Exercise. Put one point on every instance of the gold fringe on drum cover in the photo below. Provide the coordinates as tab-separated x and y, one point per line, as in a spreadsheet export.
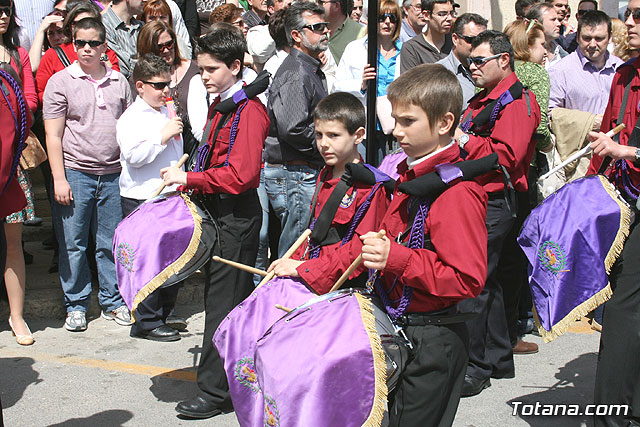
178	264
379	363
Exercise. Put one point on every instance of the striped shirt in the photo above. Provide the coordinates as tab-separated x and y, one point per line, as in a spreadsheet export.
29	16
122	39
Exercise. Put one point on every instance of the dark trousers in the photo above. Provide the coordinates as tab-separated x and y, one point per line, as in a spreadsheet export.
429	390
512	270
152	312
490	351
239	220
618	373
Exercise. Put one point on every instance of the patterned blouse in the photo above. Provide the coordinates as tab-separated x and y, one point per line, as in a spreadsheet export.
536	78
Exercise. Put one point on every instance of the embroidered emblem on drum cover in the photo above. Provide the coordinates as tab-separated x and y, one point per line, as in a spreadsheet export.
552	257
271	414
125	255
245	373
347	200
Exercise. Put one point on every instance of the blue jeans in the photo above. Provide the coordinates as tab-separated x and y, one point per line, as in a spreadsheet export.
262	259
290	190
95	209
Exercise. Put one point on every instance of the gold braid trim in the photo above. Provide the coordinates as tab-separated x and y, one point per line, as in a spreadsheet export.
178	264
379	363
623	230
582	310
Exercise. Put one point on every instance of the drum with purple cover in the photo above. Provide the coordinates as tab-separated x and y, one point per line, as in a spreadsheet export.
330	362
238	333
161	243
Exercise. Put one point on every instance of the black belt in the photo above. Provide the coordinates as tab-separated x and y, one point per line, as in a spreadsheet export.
496	195
446	316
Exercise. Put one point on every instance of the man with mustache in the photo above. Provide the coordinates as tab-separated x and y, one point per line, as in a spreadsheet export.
292	161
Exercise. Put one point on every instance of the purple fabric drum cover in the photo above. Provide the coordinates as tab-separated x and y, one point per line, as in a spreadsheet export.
152	244
238	333
323	365
571	241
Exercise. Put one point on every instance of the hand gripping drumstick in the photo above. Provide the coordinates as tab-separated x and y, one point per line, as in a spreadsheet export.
181	162
240	266
583	152
353	266
287	254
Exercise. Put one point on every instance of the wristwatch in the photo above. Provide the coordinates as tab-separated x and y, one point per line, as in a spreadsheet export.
637	161
464	138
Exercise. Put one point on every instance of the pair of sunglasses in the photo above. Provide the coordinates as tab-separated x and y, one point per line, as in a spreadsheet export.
7	10
635	13
478	61
168	45
468	39
392	17
157	85
318	27
92	43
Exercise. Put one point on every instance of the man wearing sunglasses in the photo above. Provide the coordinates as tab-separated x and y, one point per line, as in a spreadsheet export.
81	106
618	372
509	133
292	160
342	30
435	43
569	42
465	29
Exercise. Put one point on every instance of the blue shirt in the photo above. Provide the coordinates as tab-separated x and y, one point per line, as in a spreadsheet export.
387	70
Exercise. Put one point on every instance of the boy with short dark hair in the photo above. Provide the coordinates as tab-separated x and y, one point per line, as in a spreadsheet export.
81	106
346	204
434	253
149	140
226	176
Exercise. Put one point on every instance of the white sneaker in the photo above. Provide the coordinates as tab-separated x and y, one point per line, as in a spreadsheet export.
121	315
76	321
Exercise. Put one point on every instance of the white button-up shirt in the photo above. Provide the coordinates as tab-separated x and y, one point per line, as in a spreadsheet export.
142	154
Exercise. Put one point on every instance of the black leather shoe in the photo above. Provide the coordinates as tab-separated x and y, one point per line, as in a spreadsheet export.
161	333
198	407
473	386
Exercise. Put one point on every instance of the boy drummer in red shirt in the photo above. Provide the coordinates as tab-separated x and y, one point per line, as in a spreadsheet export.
349	201
434	253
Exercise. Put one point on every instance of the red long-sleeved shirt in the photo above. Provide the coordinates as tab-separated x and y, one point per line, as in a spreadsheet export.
631	113
50	64
321	273
511	137
243	171
457	267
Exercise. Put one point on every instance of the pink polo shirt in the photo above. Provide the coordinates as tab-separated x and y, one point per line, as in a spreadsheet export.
91	109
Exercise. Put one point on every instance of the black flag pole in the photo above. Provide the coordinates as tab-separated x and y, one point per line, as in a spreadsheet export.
372	55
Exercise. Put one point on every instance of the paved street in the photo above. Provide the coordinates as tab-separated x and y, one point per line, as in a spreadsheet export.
104	378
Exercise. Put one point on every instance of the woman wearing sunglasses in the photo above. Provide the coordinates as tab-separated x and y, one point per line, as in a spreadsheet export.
53	61
14	60
186	88
354	72
161	10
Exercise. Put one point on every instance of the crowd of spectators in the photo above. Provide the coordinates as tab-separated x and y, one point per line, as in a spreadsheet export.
76	62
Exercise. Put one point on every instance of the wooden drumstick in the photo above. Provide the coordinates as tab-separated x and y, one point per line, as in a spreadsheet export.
583	152
287	254
240	266
353	266
180	163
